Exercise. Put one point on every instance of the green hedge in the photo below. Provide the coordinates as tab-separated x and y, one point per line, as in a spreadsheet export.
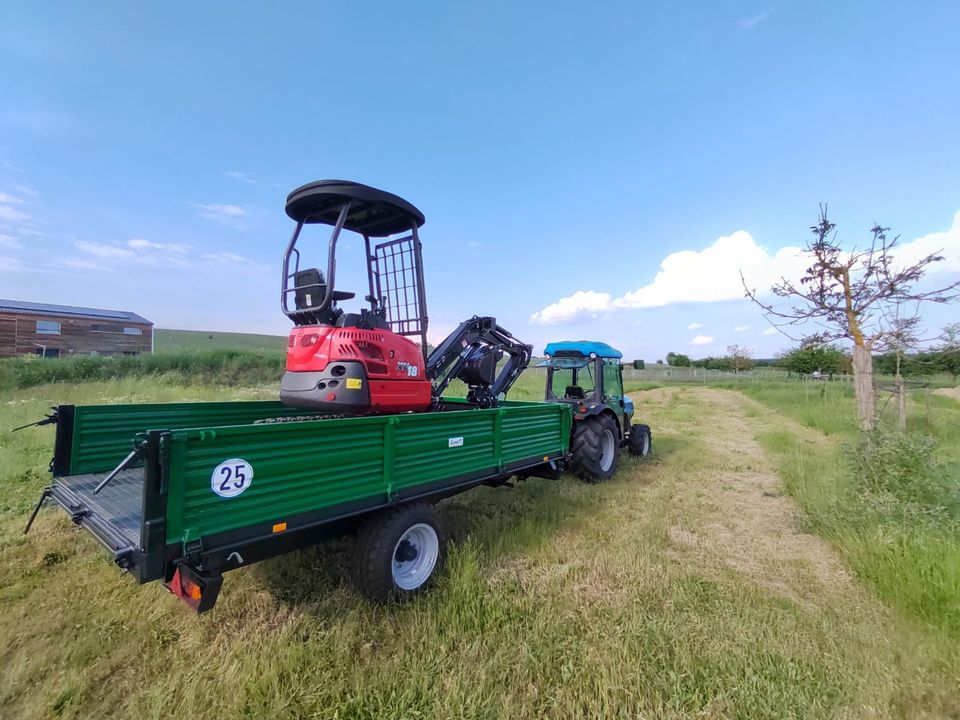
220	367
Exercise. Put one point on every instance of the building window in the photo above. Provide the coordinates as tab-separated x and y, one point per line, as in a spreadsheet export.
131	353
116	329
48	327
102	328
48	352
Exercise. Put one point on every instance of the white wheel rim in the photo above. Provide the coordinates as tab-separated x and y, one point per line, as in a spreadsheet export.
415	556
608	446
645	448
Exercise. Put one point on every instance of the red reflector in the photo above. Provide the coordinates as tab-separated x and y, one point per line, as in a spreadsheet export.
331	396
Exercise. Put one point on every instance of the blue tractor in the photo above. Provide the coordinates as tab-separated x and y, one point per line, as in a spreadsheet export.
588	375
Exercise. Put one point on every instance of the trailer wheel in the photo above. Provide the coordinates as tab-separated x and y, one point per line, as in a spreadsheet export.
399	552
641	440
595	448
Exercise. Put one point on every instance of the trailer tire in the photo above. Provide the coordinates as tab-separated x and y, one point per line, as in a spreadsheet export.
399	552
595	448
641	440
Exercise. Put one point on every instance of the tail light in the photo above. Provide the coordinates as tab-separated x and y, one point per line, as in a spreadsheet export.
309	340
199	592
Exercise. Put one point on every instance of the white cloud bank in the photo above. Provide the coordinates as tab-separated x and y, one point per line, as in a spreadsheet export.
702	340
713	274
582	304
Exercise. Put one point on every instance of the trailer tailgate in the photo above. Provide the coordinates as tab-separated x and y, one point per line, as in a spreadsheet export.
114	515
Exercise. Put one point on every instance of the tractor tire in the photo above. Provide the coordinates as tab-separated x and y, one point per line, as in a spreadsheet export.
641	441
595	449
399	552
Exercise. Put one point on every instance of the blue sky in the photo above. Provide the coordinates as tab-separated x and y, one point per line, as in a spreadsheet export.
562	153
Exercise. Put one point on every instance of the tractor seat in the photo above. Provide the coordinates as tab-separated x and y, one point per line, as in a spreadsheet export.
574	391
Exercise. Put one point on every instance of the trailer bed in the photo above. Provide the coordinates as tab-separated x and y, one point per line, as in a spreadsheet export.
221	485
114	515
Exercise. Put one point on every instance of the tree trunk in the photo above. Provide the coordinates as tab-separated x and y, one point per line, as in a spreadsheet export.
901	405
863	387
901	398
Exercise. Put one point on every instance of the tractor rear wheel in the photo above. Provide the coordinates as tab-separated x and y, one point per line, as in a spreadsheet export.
399	552
641	440
595	449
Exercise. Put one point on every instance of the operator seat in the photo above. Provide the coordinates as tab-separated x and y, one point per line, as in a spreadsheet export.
310	287
575	391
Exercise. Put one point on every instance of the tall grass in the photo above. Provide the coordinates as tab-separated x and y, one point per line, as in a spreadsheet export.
889	502
220	367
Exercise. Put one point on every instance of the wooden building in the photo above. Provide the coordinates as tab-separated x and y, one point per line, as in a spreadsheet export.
63	331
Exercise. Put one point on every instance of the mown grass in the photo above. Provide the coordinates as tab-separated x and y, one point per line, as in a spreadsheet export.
561	600
899	532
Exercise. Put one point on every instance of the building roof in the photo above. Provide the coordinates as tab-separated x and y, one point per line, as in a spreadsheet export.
32	308
582	347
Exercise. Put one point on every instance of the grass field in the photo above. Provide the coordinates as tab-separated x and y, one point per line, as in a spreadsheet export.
740	573
174	341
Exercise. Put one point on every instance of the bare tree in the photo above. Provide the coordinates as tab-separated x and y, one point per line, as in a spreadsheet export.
950	337
741	357
901	335
849	295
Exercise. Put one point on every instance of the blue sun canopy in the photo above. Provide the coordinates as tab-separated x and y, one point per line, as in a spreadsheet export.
583	348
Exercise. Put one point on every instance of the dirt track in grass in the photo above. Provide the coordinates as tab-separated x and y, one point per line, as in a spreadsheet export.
739	517
949	392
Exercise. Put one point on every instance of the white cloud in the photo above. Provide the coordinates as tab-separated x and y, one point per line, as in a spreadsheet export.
10	242
104	250
741	328
694	326
136	251
582	304
751	22
769	331
6	199
701	340
713	274
240	176
222	213
227	257
945	243
11	264
141	244
10	213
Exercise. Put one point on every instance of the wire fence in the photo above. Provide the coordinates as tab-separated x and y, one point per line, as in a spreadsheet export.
666	374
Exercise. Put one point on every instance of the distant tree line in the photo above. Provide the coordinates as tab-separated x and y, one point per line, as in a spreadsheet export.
828	359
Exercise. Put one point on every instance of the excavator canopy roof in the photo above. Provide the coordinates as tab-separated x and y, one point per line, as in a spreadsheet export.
374	213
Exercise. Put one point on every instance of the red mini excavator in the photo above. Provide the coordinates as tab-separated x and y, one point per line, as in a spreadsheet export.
361	363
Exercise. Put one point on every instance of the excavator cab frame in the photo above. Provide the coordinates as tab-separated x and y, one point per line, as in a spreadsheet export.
396	290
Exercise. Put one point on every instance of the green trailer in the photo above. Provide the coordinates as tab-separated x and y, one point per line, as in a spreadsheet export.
214	486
